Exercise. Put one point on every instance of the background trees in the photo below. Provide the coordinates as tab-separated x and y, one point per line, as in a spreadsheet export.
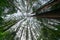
17	21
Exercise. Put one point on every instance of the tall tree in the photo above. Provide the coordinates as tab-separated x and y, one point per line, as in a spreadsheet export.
19	25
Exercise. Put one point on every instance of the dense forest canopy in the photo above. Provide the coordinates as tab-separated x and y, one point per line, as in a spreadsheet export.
27	20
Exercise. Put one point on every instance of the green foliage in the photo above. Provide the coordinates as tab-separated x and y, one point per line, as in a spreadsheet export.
58	26
3	3
6	4
6	36
49	34
1	20
56	6
34	0
45	33
6	26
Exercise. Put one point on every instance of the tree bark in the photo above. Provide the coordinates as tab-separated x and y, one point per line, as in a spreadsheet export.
49	14
47	5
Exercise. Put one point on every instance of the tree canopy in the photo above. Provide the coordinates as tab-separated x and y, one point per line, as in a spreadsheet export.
29	20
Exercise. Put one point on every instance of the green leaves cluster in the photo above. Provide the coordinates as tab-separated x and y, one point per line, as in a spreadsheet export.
56	6
49	34
4	34
4	5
